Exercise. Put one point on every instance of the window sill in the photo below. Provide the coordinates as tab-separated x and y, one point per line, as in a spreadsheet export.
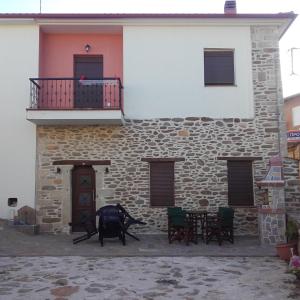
220	85
162	206
243	206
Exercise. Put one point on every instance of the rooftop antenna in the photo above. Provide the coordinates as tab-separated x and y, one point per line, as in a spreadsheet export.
40	6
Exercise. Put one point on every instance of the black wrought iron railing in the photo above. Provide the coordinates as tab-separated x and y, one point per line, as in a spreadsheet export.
76	93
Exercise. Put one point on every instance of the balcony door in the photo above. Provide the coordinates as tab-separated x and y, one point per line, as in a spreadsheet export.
87	93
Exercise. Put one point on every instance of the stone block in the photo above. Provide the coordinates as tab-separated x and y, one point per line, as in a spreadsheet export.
183	133
51	220
203	202
48	188
26	215
262	76
57	181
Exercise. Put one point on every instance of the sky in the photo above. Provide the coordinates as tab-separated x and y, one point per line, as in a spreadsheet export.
291	81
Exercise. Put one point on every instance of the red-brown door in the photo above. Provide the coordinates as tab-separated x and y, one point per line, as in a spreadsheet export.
83	195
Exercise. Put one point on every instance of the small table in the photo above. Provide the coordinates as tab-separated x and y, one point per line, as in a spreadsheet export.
196	216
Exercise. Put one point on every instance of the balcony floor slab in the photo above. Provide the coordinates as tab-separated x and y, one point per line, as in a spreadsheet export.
75	117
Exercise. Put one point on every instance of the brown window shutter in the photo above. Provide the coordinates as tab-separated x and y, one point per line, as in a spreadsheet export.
162	183
240	183
219	67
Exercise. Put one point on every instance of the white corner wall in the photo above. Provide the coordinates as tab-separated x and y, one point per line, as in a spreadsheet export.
164	72
19	54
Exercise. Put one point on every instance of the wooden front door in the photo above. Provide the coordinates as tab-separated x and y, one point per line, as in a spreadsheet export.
83	195
88	94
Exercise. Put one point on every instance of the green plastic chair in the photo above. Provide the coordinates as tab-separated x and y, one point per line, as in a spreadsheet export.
221	226
179	227
226	214
174	210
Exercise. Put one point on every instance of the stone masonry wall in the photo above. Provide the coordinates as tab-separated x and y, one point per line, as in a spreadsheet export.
267	85
200	180
292	188
272	228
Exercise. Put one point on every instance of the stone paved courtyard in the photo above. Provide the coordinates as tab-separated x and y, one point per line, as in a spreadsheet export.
15	243
145	278
50	267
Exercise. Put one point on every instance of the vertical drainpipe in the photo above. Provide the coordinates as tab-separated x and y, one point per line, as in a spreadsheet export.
282	139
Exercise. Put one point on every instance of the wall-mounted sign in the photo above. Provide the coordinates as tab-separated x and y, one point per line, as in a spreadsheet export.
293	136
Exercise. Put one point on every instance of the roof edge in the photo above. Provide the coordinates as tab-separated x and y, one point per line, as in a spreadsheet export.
292	97
286	15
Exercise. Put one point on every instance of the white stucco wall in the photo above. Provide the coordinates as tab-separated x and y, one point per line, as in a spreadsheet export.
164	72
19	61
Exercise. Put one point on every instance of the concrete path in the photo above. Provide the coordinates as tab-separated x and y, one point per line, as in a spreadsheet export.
139	278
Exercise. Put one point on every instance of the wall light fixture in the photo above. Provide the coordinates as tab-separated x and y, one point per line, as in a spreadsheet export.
87	48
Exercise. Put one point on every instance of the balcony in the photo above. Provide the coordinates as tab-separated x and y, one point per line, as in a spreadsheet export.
75	101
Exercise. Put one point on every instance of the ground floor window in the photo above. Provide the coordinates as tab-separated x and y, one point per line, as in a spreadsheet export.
240	183
162	183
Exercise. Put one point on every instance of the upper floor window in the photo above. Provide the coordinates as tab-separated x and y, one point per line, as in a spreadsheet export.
218	67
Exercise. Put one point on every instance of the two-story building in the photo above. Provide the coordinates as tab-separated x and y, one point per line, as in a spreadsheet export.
146	110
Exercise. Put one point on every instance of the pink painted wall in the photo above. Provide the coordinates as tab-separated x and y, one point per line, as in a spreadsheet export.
41	54
57	60
58	50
